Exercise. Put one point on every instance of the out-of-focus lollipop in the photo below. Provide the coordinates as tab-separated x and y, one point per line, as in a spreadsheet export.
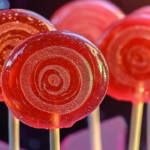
126	47
15	26
87	18
51	80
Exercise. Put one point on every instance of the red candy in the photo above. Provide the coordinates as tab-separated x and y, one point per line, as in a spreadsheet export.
87	18
126	47
15	26
53	79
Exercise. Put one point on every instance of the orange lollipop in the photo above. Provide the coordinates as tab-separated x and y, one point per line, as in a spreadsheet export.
15	26
87	18
126	47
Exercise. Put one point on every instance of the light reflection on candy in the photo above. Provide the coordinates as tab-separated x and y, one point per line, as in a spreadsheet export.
87	18
58	78
15	26
126	47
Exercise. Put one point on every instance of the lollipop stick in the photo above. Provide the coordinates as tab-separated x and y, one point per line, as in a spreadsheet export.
54	139
136	122
13	132
148	126
94	125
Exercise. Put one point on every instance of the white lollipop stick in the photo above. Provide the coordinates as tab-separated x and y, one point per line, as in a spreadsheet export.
95	132
136	122
54	139
14	142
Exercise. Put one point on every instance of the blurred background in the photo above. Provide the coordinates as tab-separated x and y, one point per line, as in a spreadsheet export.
37	139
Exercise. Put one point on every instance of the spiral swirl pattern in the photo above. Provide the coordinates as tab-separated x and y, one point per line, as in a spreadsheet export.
57	77
54	81
15	26
126	48
135	54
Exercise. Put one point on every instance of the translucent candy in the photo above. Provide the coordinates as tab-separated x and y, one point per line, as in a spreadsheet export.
126	47
87	18
15	26
53	79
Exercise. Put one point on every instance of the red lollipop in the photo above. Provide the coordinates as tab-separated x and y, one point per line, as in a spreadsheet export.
51	80
126	47
15	26
87	18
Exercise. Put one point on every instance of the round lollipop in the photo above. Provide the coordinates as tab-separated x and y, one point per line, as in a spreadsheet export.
15	26
51	80
126	47
87	18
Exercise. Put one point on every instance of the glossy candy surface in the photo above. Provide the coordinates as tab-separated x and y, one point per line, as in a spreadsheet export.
126	48
54	79
15	26
87	18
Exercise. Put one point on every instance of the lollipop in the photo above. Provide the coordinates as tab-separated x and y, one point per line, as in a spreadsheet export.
51	80
15	26
66	79
126	47
87	18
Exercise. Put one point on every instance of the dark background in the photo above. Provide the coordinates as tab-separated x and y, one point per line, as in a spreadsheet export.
37	139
